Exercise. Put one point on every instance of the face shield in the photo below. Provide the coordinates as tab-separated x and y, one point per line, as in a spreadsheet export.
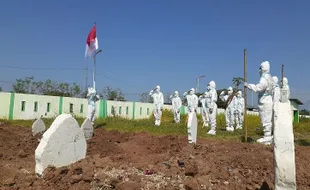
239	94
208	87
192	91
157	89
260	71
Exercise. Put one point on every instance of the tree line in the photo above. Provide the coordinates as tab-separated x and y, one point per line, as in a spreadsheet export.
29	85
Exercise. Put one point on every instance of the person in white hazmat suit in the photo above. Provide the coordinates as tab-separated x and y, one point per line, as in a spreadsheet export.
158	99
92	98
211	106
286	87
192	105
229	99
192	100
276	96
265	104
275	90
176	106
239	109
204	112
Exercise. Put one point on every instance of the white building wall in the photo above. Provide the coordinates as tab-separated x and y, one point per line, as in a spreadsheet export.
78	104
4	105
62	105
28	102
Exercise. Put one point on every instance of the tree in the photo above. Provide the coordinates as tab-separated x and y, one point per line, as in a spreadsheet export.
145	98
167	99
49	87
113	94
237	81
0	89
23	85
304	112
220	103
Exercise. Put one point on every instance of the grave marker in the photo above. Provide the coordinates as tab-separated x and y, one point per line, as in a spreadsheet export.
61	145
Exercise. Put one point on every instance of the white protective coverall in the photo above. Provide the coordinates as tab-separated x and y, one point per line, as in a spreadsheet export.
229	111
204	113
158	99
176	106
275	90
239	109
192	101
265	104
192	105
92	97
286	87
211	99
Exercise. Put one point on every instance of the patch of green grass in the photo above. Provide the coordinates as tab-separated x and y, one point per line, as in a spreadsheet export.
168	127
28	123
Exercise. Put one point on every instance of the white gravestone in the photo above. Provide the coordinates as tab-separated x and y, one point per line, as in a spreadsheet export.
192	127
38	127
88	129
61	145
284	149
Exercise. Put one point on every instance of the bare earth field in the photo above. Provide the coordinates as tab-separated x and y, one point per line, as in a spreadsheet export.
141	161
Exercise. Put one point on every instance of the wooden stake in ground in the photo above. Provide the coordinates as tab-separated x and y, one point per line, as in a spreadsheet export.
245	102
282	76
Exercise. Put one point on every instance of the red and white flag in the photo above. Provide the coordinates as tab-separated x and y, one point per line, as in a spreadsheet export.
91	42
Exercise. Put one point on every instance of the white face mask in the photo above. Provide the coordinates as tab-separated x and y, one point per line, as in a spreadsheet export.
191	92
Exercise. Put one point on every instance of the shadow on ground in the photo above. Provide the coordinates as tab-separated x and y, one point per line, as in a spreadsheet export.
265	186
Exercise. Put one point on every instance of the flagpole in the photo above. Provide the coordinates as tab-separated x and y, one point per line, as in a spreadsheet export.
86	76
94	70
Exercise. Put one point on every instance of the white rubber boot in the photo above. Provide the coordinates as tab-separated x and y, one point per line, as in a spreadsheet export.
239	126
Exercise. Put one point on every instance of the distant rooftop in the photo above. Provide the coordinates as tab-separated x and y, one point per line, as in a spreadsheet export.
296	101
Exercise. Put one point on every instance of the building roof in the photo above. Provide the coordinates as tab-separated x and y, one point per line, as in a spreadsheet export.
296	101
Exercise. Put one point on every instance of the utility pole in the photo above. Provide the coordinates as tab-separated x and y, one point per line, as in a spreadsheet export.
245	100
252	99
197	85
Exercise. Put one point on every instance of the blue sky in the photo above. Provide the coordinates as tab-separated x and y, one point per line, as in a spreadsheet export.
146	43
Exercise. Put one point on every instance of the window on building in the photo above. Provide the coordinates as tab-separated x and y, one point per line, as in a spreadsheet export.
48	107
71	108
35	109
120	110
112	110
127	110
148	111
23	105
140	110
81	108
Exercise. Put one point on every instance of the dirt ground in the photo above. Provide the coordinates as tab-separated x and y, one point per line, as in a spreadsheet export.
141	161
